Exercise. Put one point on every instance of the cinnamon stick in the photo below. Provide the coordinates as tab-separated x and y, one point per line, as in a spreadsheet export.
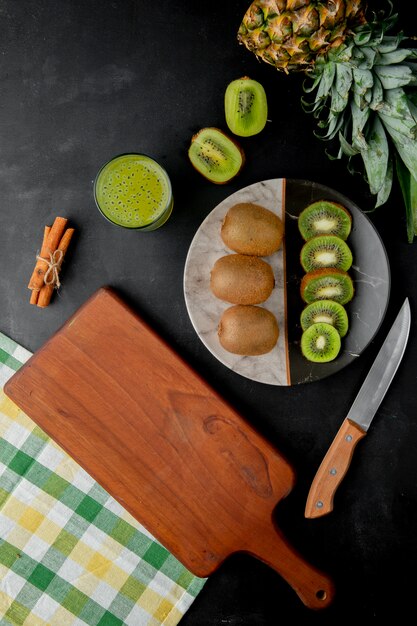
51	244
35	293
45	293
34	296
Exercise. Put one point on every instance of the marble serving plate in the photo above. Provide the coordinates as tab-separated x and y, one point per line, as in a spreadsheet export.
285	365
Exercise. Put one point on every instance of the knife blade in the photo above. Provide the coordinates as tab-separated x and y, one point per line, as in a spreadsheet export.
354	427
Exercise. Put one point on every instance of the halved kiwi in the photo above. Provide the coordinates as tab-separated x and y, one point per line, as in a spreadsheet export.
327	284
325	251
246	107
320	343
325	217
327	312
215	155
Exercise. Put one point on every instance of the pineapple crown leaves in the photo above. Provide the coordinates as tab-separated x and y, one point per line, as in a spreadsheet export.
364	98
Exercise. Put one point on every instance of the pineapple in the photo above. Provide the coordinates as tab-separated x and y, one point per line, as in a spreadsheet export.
360	80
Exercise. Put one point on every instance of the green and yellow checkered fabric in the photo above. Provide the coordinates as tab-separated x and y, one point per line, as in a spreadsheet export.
69	553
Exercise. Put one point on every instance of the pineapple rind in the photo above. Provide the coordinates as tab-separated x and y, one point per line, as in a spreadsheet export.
321	25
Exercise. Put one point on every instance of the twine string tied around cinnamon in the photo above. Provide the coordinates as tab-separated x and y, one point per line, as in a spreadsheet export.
51	276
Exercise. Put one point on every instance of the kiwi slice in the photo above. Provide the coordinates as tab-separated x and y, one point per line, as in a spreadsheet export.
325	251
320	343
327	284
246	107
327	312
325	217
215	155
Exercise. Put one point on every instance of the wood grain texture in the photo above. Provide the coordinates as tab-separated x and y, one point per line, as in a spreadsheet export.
162	442
333	469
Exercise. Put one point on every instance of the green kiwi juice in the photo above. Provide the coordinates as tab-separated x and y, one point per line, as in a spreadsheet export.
134	191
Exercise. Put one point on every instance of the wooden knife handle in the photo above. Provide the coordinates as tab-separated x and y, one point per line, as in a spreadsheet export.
314	588
332	470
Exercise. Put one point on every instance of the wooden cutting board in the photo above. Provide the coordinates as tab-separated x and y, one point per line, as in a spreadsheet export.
162	442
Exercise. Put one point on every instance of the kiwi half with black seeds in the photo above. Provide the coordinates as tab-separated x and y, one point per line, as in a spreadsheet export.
327	312
325	251
246	107
215	155
327	284
320	343
325	217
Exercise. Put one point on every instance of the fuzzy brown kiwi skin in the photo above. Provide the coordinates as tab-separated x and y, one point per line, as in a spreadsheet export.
249	228
317	274
242	279
238	146
248	330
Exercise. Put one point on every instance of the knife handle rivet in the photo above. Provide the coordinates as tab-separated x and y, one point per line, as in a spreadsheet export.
319	504
333	471
348	438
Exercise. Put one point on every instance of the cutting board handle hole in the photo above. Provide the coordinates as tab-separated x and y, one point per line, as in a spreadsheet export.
321	594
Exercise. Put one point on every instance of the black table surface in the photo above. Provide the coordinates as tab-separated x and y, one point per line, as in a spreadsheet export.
83	80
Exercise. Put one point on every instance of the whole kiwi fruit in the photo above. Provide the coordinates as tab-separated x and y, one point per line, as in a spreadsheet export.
242	279
248	330
249	228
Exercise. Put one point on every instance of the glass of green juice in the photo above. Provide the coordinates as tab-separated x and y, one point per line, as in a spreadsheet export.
133	191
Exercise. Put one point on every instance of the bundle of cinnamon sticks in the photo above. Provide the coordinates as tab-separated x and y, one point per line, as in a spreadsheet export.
45	276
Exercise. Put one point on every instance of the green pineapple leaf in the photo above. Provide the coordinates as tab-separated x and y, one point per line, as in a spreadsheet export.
406	148
363	35
316	78
393	76
377	99
326	82
362	80
341	87
360	118
390	43
346	147
362	85
395	56
338	100
367	58
396	114
408	185
376	156
333	124
385	191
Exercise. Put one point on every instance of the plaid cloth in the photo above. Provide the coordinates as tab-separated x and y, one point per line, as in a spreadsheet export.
69	553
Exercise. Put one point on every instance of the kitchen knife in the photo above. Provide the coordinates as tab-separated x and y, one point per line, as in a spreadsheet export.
335	464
